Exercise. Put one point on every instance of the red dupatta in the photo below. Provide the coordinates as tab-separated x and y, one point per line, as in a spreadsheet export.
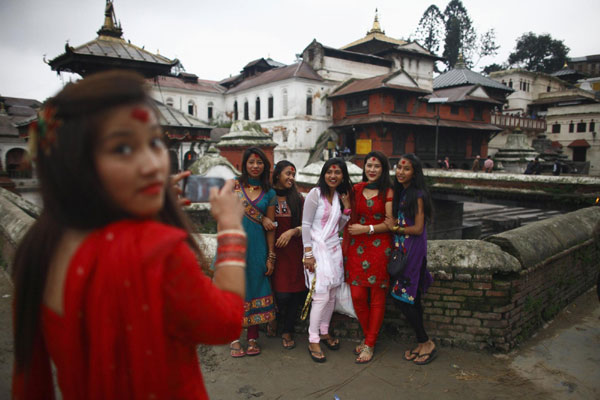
113	314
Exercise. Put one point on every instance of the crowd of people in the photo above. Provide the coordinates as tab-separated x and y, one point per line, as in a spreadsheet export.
110	285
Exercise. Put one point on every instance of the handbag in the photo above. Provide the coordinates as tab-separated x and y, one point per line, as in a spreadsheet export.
397	262
343	301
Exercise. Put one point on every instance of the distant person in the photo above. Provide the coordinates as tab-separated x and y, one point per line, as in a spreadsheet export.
476	164
108	287
446	164
440	164
533	167
556	168
488	165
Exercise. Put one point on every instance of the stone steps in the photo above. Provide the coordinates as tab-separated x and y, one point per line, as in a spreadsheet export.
497	218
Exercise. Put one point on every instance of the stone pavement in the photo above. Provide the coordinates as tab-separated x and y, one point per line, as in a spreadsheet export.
561	362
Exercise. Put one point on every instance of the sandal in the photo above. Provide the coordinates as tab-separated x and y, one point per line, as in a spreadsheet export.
367	351
358	349
412	355
430	357
253	348
288	344
317	356
236	352
331	343
272	328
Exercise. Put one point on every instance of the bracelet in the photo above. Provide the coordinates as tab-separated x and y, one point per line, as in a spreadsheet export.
308	254
230	264
371	230
347	211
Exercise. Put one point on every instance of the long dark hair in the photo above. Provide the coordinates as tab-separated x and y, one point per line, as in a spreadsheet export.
383	183
411	193
264	176
72	192
344	187
292	197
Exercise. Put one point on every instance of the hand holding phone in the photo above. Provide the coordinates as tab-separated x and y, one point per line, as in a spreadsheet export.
197	187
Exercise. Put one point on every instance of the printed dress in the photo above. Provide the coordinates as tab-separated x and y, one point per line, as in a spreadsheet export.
416	276
367	255
258	306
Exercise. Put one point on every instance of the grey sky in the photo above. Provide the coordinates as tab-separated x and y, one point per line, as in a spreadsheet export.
215	39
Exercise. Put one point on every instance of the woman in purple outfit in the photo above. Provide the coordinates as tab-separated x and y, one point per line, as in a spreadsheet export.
412	206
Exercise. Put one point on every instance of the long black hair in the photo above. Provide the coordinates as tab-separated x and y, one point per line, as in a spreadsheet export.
292	197
72	192
344	187
411	193
264	176
383	182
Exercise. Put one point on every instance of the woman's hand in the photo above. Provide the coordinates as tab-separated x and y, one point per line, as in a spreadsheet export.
268	224
390	222
346	200
357	229
270	267
175	179
285	237
309	263
226	207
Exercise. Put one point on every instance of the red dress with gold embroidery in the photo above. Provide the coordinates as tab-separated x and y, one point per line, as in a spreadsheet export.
136	304
366	256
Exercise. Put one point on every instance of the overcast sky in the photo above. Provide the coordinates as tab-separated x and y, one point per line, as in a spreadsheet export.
214	39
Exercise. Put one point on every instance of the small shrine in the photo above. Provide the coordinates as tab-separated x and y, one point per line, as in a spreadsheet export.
515	155
245	134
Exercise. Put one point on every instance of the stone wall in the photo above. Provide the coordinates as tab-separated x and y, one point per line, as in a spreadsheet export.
487	294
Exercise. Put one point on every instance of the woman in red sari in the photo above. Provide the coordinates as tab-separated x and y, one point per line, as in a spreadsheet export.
367	248
107	281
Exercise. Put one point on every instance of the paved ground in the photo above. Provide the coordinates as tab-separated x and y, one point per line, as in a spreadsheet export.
561	362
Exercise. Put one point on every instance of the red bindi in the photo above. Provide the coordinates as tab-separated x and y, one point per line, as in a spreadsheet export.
140	114
403	162
334	167
373	159
292	169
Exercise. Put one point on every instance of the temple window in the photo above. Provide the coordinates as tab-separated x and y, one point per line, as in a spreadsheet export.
357	105
257	109
246	116
235	111
191	107
210	110
400	103
309	103
454	110
581	126
270	103
571	127
556	128
285	102
592	126
170	101
477	113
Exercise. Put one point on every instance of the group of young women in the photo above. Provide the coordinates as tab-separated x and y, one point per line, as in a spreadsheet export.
107	280
303	249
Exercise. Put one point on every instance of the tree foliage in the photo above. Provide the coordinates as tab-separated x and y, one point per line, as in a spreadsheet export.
430	30
539	53
461	37
488	69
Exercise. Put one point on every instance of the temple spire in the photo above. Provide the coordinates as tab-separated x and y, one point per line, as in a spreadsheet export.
111	26
376	27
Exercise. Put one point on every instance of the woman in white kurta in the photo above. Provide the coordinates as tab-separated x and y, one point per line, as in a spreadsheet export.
326	211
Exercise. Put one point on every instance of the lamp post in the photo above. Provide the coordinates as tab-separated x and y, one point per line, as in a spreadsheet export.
438	101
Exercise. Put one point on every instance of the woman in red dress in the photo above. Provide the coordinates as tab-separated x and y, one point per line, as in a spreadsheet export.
107	282
367	248
288	276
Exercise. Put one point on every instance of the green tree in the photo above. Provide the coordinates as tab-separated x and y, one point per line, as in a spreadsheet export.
461	37
430	30
538	53
488	69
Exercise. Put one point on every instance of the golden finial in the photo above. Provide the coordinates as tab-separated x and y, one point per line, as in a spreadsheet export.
376	27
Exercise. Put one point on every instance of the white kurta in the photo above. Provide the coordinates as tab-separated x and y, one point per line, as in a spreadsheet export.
321	223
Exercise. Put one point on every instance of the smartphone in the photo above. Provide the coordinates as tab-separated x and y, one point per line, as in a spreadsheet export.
197	187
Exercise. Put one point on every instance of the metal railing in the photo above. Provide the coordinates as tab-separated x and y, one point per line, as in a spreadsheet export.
512	121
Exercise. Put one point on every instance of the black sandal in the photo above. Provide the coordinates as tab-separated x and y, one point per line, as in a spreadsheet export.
314	354
330	346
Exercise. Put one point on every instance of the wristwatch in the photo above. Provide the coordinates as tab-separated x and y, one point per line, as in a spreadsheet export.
371	230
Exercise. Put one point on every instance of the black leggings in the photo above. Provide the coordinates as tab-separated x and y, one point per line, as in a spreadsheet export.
288	307
414	316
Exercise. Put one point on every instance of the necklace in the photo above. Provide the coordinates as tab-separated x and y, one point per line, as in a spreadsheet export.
253	184
252	188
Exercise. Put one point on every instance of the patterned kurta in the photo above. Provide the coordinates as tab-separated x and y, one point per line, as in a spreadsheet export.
367	255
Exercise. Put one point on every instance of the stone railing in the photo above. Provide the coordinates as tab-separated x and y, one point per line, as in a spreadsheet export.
487	294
